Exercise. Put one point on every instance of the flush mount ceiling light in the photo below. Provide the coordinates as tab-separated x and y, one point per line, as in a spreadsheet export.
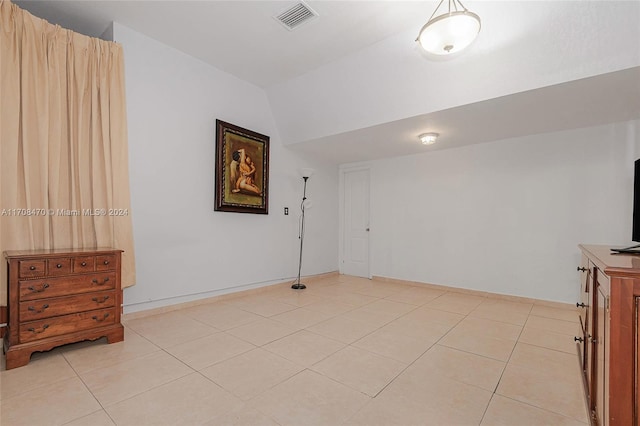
449	32
428	138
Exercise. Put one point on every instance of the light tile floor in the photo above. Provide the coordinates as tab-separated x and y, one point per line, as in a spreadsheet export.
345	351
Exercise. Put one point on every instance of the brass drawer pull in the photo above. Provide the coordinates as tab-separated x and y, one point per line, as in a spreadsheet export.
106	262
95	318
33	289
32	268
59	265
104	299
83	264
100	283
33	330
32	309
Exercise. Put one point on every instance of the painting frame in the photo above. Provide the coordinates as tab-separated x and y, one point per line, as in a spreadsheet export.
241	170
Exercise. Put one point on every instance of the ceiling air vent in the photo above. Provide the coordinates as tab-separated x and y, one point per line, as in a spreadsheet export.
296	15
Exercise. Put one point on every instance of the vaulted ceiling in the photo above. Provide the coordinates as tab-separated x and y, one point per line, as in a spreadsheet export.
352	85
243	37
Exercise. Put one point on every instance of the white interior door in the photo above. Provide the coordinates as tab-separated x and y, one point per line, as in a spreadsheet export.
355	223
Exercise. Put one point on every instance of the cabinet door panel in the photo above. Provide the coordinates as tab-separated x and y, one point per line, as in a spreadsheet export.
637	363
600	372
589	329
583	301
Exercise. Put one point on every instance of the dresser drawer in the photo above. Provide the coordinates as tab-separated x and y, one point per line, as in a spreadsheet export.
31	268
84	264
58	266
45	308
105	262
53	287
36	330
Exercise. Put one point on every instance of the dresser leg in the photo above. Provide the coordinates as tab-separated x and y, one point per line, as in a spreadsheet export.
116	335
17	358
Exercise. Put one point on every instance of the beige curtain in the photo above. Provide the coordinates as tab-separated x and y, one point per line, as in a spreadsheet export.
64	180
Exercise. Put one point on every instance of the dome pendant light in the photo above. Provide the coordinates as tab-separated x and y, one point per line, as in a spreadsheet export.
449	32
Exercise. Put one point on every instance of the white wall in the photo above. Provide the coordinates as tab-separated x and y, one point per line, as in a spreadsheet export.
185	250
504	216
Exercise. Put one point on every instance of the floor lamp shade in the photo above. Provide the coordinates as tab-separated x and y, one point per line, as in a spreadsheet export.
306	172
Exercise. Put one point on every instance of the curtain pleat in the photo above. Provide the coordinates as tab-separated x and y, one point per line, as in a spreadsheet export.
64	174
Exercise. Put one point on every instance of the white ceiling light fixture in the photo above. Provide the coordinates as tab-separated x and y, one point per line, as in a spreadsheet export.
428	138
449	32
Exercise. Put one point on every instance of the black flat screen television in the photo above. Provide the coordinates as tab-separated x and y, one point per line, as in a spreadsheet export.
635	226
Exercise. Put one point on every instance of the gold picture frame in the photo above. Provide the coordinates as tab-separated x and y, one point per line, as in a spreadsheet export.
242	170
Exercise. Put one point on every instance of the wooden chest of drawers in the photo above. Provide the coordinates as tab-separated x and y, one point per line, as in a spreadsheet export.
61	296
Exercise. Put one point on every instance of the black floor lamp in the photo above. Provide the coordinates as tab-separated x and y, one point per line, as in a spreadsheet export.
306	174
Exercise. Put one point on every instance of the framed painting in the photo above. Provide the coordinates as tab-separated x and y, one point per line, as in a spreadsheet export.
242	170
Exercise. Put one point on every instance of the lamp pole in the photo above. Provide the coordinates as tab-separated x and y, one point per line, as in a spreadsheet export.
298	285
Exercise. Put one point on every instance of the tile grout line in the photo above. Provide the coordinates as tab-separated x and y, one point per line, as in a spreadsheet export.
102	407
